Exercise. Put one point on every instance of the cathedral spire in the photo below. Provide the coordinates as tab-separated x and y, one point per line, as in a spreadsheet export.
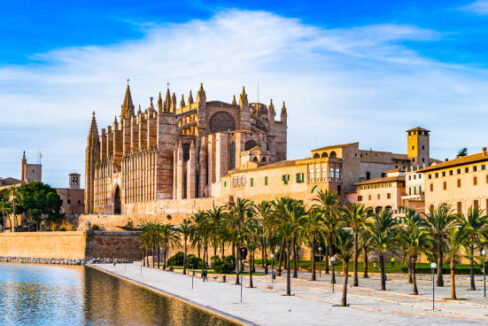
271	111
116	124
167	101
160	103
93	139
190	98
234	100
127	108
201	96
173	103
243	98
283	112
182	102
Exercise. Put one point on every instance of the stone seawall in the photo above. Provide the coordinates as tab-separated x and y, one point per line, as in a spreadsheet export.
68	247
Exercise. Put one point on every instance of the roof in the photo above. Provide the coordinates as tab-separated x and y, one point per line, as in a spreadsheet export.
334	146
9	181
395	170
479	157
418	129
380	180
267	166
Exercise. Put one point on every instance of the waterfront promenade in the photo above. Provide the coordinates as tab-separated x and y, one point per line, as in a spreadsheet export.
313	302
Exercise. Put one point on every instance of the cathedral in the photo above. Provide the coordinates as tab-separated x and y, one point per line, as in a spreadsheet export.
171	151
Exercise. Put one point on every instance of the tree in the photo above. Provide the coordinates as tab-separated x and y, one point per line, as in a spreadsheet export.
289	214
416	240
383	230
215	217
438	222
355	216
410	221
251	233
313	228
38	201
462	152
5	209
169	238
264	211
186	230
475	223
344	243
457	236
201	234
366	245
238	213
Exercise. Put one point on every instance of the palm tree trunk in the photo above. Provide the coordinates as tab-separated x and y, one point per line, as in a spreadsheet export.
295	259
329	247
413	262
288	269
383	275
251	266
184	258
234	249
345	266
314	277
238	261
365	258
409	264
440	280
453	278
265	256
215	243
471	268
198	249
326	263
223	249
356	254
204	259
280	261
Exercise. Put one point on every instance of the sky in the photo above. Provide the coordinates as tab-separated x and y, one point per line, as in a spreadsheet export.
348	70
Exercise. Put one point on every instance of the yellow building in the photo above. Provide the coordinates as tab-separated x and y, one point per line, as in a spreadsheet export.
459	183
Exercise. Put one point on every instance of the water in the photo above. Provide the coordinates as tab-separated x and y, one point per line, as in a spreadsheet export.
61	295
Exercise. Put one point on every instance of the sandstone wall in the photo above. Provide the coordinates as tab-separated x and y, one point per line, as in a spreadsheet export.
74	245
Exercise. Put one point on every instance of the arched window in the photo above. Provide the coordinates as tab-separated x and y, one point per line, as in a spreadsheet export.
324	154
255	159
333	154
264	159
250	144
316	155
232	156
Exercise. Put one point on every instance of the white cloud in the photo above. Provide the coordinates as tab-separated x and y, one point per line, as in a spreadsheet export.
479	7
340	85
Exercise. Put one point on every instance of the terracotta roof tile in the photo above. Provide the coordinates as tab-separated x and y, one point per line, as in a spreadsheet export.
479	157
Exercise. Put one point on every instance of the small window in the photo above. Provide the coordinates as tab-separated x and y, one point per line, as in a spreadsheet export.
369	197
379	196
360	198
451	172
420	190
410	191
483	167
368	175
444	185
252	182
431	208
475	181
459	207
436	175
420	176
475	168
458	171
388	196
466	170
431	187
459	183
475	204
225	183
430	176
414	190
265	181
69	201
444	173
409	177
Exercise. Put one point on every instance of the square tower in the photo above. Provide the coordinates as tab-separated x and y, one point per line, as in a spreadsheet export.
418	143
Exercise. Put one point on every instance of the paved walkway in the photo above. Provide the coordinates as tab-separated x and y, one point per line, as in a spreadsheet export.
314	303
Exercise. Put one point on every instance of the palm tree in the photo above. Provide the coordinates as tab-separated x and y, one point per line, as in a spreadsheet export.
186	230
215	216
264	211
170	238
327	201
410	221
344	243
355	216
457	236
332	222
148	237
289	214
439	221
251	233
238	212
366	245
383	230
416	240
5	209
475	223
201	234
313	228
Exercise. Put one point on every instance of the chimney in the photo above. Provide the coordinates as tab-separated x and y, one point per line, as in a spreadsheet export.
483	149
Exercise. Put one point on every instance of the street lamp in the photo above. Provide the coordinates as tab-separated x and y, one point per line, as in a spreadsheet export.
320	260
272	266
433	266
192	273
483	252
332	260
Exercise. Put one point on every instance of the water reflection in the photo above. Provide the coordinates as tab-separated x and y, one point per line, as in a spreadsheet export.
59	295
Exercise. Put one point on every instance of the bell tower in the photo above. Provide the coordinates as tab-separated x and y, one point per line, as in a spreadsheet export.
418	142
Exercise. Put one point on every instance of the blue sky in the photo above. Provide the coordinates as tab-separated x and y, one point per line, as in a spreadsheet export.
348	70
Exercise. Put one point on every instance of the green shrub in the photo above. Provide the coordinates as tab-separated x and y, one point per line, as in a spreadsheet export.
192	259
176	260
95	227
460	269
227	265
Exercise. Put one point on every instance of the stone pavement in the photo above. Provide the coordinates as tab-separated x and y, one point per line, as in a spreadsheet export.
314	303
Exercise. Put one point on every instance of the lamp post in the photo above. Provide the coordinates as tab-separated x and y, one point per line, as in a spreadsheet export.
332	260
272	267
483	252
320	260
192	273
433	266
241	284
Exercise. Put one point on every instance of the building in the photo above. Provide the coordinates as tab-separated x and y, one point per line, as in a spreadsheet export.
72	197
177	152
414	197
459	183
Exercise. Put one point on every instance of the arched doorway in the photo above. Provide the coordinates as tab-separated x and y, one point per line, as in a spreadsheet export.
117	204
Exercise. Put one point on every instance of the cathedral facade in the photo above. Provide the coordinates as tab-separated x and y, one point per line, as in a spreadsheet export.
173	151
